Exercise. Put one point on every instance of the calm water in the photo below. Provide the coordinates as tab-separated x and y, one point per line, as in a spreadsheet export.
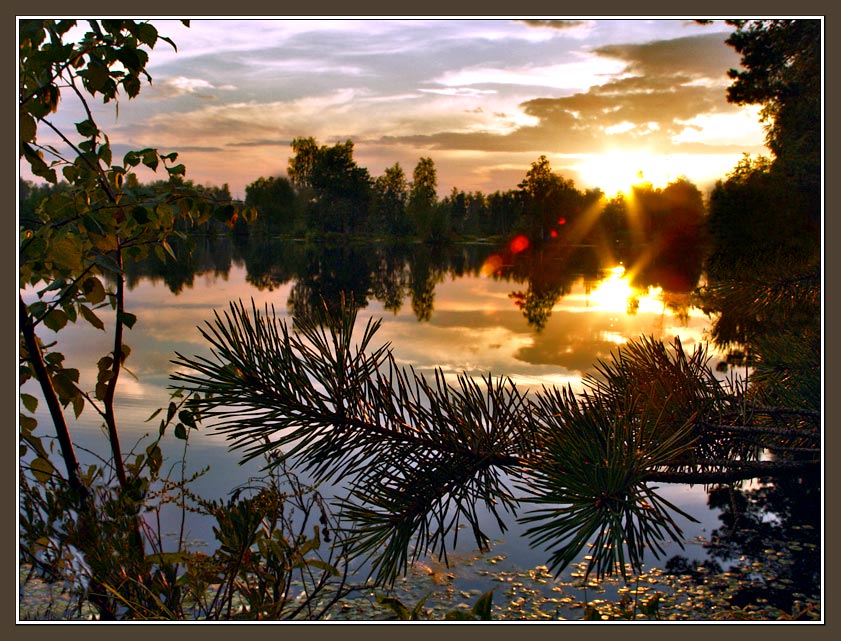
474	309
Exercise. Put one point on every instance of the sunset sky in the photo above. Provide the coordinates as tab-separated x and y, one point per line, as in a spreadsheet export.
607	101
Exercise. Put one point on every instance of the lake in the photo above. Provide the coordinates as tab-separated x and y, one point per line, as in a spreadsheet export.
540	318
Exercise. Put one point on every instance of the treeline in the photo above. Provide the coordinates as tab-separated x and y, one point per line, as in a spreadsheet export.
327	192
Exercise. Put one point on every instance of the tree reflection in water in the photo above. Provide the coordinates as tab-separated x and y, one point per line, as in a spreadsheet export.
774	525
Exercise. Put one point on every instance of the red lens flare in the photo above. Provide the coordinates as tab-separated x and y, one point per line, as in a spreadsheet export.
520	243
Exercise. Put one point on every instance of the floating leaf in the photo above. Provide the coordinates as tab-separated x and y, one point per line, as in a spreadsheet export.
482	607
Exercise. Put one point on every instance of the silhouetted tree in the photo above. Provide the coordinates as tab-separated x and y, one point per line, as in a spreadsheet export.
781	62
341	189
277	204
391	193
429	219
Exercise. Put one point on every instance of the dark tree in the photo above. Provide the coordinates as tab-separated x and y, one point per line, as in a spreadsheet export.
781	62
278	207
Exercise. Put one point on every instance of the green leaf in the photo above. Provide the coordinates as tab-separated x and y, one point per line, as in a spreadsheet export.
132	86
127	319
78	405
95	75
87	128
104	153
37	308
70	173
107	263
180	432
55	320
100	390
104	364
65	386
27	423
92	318
131	159
27	126
94	290
37	164
186	417
324	566
42	469
177	170
140	215
150	158
29	402
66	254
418	609
147	34
170	558
155	456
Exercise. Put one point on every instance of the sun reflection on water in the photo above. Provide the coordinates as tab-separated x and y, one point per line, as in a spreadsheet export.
614	293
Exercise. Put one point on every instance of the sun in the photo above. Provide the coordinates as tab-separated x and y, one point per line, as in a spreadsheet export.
617	172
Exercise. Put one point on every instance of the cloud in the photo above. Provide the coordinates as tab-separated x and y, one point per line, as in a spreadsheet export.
580	73
665	95
702	55
182	85
554	24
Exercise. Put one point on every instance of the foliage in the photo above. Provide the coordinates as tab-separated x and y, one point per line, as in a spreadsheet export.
428	217
391	194
552	202
416	457
349	415
764	207
277	205
781	62
271	559
341	189
77	236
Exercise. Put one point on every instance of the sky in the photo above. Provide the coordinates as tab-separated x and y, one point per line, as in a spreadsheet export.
608	102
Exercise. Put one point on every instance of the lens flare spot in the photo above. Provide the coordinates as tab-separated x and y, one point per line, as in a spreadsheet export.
492	265
520	243
562	221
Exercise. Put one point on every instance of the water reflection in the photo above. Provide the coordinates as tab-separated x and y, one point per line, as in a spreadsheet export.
393	274
542	316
